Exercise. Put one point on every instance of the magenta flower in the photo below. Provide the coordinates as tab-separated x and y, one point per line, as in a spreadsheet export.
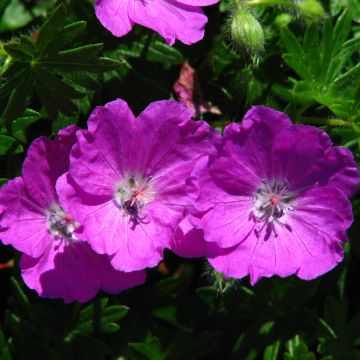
56	263
127	179
188	241
275	198
180	19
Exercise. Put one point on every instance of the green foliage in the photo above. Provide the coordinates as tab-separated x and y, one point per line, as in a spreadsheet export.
51	69
57	63
323	64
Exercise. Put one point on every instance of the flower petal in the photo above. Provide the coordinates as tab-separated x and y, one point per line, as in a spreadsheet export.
171	19
23	222
131	246
107	150
66	271
46	160
113	15
307	246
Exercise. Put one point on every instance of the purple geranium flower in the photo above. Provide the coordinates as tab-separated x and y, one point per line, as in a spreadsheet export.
55	263
172	19
127	179
275	198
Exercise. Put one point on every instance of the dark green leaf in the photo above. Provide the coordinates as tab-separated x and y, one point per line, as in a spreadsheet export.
50	29
4	349
19	97
8	145
24	121
272	351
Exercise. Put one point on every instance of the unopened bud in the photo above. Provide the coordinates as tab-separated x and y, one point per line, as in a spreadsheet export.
311	8
247	32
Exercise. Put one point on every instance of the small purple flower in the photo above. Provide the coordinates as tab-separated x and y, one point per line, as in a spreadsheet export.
180	19
56	262
275	198
127	179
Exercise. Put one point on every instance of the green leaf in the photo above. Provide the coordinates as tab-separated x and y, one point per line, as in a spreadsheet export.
335	314
52	93
50	29
169	314
106	316
45	67
3	181
85	80
292	44
304	91
18	294
68	34
193	346
25	120
90	348
95	65
272	351
78	54
8	145
15	16
12	78
4	349
19	98
322	66
150	350
297	350
161	52
114	313
311	47
17	51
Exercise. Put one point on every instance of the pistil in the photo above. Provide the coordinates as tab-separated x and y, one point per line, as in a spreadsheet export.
272	201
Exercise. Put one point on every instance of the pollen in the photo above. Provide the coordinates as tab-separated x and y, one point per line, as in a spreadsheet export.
60	224
133	193
272	201
275	200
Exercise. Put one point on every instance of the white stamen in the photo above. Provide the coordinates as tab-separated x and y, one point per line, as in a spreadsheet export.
60	224
132	194
272	202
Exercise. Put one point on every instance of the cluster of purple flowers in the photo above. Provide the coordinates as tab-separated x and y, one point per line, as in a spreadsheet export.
94	208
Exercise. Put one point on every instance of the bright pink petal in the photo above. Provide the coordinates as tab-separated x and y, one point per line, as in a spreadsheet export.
296	151
108	150
198	2
306	246
171	19
46	160
132	246
201	188
336	168
247	148
171	137
260	257
274	121
23	222
319	221
66	271
233	223
113	281
188	241
74	272
113	15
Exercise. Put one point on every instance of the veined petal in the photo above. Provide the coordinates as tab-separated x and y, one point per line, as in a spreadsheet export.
23	222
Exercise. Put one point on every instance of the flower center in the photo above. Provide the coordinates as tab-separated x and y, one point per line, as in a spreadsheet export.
272	201
132	193
60	224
